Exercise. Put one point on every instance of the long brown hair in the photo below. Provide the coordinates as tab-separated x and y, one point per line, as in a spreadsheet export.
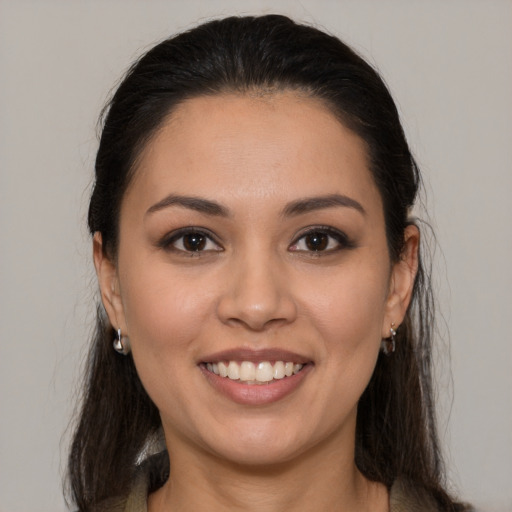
396	428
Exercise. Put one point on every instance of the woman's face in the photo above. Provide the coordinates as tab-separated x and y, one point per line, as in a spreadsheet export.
252	241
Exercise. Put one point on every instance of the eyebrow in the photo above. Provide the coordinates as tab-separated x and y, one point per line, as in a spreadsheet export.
310	204
192	203
298	207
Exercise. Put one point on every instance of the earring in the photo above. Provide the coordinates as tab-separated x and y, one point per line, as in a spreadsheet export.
121	344
388	345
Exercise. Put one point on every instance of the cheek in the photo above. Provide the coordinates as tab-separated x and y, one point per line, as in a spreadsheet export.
165	317
163	314
348	307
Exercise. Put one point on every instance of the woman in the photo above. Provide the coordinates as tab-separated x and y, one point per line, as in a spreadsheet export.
261	284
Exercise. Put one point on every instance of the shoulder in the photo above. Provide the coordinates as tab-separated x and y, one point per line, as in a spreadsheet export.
149	476
134	501
406	497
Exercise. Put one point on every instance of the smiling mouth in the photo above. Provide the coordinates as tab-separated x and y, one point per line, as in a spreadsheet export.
247	372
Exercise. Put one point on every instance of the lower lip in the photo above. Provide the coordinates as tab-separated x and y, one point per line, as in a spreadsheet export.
256	394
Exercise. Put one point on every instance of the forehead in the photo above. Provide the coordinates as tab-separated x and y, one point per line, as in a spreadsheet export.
242	147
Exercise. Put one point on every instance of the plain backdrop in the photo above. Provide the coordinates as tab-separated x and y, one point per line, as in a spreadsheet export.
449	67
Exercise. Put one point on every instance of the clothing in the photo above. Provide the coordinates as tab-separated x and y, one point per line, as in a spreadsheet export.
402	498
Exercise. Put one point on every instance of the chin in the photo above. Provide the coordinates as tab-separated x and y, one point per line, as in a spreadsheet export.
265	445
260	456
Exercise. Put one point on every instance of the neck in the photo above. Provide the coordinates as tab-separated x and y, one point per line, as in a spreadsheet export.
322	479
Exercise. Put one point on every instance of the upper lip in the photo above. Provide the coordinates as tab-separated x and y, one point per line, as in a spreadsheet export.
255	356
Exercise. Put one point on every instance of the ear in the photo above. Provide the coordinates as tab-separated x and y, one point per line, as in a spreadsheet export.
402	280
108	281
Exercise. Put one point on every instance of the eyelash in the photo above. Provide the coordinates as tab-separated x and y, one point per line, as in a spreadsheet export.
169	241
341	239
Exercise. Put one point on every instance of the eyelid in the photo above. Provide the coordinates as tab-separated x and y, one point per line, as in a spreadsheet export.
344	242
167	241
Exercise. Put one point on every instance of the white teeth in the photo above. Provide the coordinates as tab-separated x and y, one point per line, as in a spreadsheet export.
264	372
251	373
223	369
279	370
233	370
247	371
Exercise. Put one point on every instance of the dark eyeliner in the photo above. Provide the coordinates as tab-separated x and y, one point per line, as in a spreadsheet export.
167	241
342	238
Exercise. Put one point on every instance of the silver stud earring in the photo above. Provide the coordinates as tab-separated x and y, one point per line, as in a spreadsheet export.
388	345
121	344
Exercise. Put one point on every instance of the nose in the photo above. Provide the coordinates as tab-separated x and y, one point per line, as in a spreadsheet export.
257	294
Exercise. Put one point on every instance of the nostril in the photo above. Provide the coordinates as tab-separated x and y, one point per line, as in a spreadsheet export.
254	324
257	312
256	294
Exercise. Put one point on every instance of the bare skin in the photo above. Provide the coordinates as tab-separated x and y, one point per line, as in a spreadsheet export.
253	227
298	485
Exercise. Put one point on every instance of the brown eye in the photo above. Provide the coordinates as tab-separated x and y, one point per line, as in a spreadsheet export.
190	241
321	240
316	241
194	242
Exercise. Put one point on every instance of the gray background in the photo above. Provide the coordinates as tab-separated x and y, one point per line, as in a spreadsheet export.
449	66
